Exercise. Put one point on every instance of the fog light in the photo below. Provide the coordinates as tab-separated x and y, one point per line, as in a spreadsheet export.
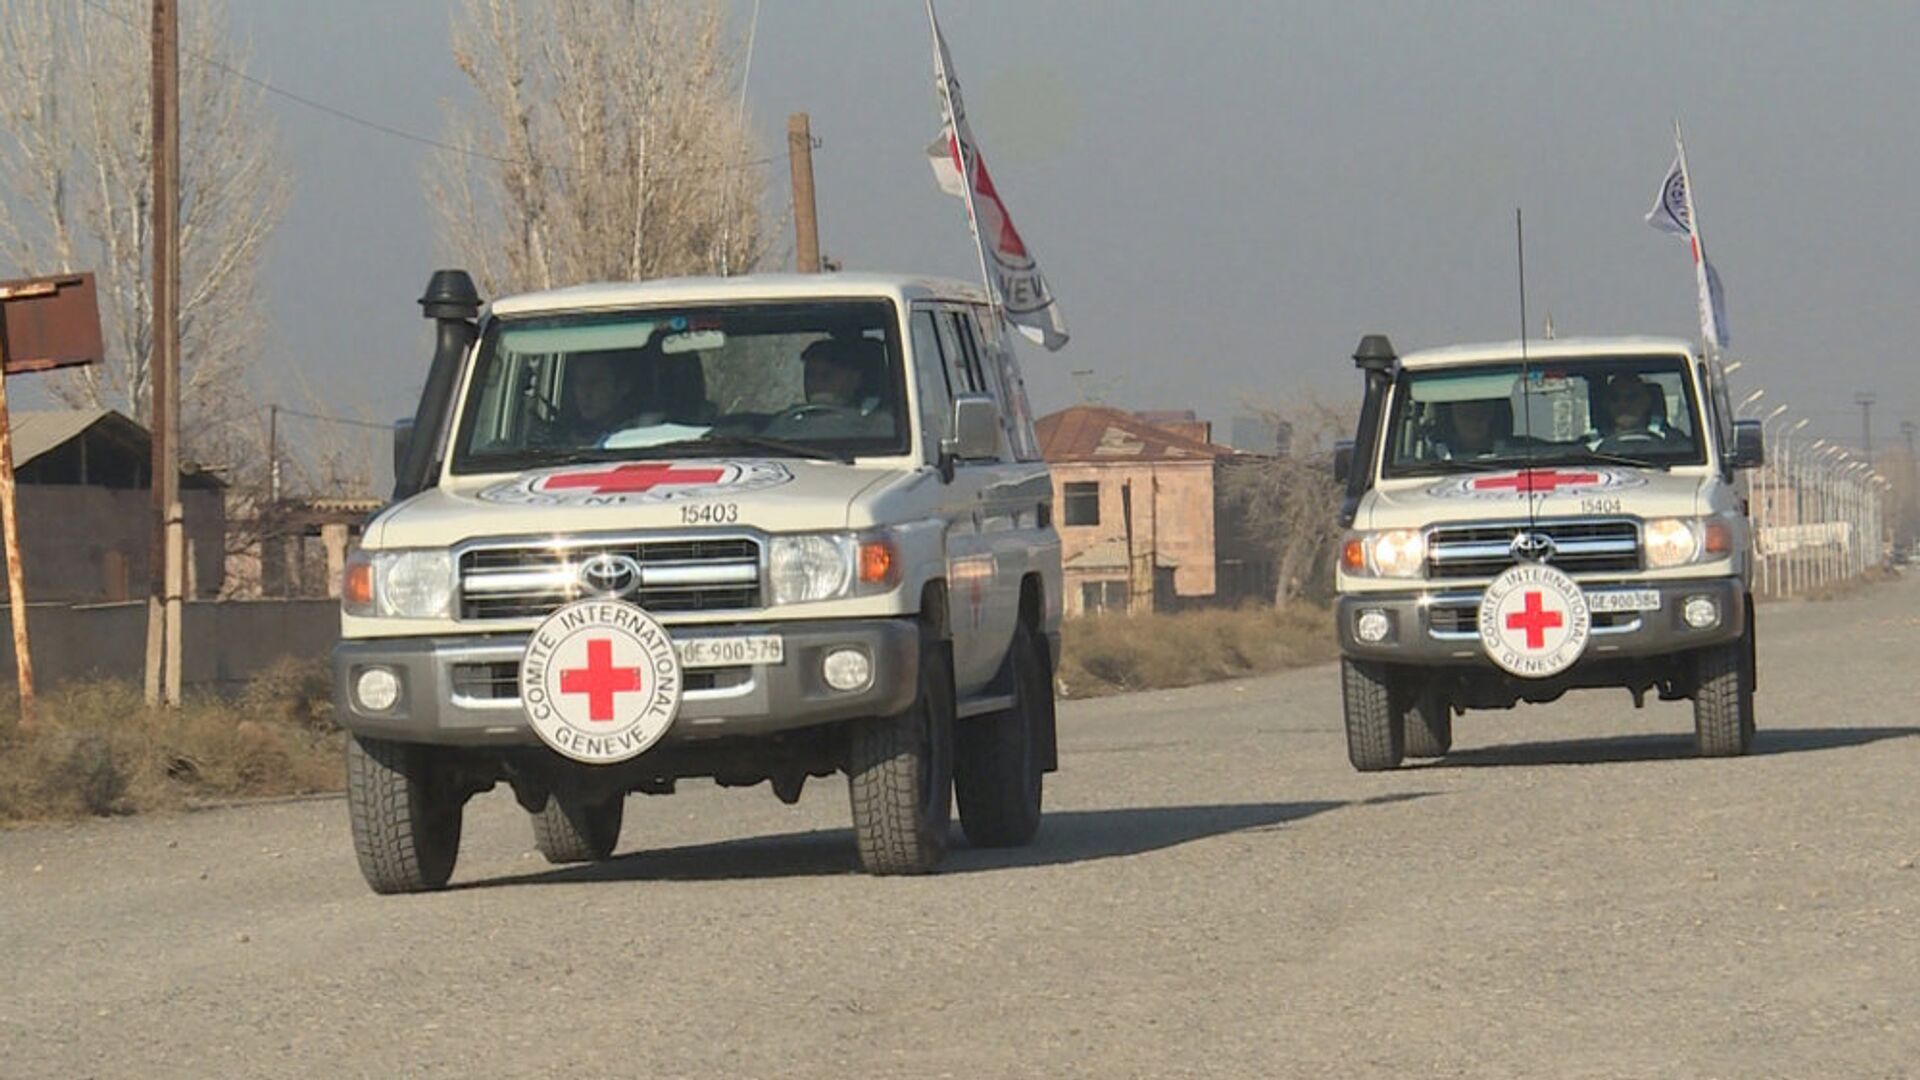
847	669
377	689
1700	612
1373	626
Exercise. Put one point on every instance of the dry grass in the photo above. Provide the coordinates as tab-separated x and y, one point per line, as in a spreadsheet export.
96	749
1112	654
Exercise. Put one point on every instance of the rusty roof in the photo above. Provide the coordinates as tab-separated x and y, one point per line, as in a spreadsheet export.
1095	433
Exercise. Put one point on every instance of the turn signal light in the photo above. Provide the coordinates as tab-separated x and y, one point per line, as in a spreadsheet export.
1353	554
356	585
1719	539
879	562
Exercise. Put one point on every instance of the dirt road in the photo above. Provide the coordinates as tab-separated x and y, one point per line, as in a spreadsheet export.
1214	893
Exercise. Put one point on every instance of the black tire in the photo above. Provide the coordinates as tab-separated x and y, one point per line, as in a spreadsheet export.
996	762
900	775
1376	727
1429	724
405	815
567	831
1723	699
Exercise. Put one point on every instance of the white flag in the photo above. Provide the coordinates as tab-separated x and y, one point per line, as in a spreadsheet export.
1669	213
1011	270
1673	213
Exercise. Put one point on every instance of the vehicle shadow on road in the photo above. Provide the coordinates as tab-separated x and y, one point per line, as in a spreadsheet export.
1625	748
1066	836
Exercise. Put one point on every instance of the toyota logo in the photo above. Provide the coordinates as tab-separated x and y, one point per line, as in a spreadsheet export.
607	574
1532	546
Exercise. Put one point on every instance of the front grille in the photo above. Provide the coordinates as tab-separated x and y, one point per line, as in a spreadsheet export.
681	575
1579	547
499	680
1458	618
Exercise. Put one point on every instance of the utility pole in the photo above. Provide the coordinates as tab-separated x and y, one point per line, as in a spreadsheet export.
1865	401
273	455
165	572
806	222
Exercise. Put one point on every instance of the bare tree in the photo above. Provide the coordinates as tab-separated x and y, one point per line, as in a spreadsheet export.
76	194
604	143
1286	506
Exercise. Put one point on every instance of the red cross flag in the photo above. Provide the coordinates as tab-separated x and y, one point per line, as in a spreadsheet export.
1009	267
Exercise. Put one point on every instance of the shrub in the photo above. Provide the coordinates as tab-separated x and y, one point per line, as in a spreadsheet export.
1107	654
97	749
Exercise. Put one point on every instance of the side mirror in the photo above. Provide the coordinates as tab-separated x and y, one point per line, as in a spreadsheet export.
1342	460
976	428
1749	448
402	437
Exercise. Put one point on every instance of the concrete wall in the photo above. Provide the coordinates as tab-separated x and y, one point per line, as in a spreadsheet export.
1173	515
86	543
227	641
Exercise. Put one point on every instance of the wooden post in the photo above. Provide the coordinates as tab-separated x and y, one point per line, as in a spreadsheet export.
806	222
333	537
176	580
164	364
54	323
16	575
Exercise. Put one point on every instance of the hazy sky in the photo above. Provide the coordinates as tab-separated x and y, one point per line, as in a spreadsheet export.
1227	195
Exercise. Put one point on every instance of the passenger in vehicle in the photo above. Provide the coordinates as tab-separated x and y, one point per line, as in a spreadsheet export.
1475	427
599	397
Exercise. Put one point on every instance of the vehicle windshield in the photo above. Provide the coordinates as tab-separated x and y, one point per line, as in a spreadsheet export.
806	379
1608	410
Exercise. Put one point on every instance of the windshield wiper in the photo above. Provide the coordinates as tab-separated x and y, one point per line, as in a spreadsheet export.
782	447
1458	465
1604	458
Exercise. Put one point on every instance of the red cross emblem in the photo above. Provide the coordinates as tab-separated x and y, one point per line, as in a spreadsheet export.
600	680
622	479
1535	620
1535	481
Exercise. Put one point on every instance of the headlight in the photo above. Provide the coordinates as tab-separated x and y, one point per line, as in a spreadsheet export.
805	568
1400	553
827	566
398	584
1670	542
1678	541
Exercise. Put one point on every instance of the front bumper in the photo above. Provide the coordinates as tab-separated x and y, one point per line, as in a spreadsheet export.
1435	627
463	691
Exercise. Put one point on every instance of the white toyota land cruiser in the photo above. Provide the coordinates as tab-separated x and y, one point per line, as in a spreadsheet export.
749	529
1526	521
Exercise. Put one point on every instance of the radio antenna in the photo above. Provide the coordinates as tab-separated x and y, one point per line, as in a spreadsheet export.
1526	380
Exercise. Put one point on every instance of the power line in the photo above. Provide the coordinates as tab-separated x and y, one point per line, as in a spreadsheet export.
346	420
400	133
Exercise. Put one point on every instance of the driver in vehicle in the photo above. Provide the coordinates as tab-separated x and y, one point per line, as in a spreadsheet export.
1630	405
844	380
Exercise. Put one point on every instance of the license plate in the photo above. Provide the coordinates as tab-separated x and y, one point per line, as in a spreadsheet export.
754	649
1624	600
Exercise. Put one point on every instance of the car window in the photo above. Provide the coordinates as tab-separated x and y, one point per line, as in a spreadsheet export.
822	377
1592	410
930	367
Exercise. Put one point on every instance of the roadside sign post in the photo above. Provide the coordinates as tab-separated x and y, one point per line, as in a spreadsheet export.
45	323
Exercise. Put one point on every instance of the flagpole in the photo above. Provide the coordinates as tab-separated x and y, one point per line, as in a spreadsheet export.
1709	319
960	151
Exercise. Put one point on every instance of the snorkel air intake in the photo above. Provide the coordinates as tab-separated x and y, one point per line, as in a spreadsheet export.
1376	360
453	304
